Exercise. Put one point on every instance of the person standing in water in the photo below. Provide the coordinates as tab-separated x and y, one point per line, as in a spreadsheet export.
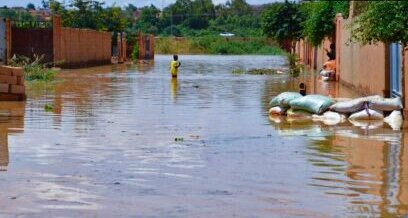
174	65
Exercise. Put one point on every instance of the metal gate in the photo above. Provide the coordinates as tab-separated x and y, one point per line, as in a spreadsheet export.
395	70
2	41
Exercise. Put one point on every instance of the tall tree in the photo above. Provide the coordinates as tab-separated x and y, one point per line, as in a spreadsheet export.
282	21
30	6
320	19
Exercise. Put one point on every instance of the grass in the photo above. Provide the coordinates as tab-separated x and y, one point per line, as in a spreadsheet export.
216	45
255	71
34	70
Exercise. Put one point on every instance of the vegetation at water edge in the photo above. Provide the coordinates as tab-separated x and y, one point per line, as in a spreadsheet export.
34	70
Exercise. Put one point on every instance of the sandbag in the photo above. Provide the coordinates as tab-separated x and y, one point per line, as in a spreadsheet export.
385	104
315	104
284	99
367	114
298	114
352	106
277	111
395	120
330	118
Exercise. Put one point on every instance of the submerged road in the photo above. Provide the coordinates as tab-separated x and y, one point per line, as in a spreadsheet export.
128	141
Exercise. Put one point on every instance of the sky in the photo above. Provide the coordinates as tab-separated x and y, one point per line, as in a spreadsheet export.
138	3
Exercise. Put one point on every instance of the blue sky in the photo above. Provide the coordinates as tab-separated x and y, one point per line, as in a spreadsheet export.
138	3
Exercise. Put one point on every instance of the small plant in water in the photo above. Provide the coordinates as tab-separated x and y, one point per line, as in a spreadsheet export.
179	139
262	71
238	71
48	107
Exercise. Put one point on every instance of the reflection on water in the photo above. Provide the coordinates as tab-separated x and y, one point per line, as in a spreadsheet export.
108	148
11	122
174	88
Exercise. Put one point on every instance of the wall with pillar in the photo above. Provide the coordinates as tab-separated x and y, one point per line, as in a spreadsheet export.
80	47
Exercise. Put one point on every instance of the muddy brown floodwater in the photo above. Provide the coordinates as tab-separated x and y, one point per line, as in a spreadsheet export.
108	148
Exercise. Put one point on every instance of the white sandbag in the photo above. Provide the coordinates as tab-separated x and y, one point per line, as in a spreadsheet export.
330	118
367	114
339	99
352	105
324	73
276	118
325	78
277	111
385	104
394	120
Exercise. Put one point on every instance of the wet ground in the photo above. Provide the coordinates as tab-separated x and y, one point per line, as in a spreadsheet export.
128	141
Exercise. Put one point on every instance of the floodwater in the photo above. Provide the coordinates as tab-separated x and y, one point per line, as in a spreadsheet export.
128	141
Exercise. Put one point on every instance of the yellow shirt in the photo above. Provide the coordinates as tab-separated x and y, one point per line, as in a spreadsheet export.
174	68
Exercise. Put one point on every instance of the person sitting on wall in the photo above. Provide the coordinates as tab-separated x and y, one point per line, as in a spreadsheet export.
174	65
332	53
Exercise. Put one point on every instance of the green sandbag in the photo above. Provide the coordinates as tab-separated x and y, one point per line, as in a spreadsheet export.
316	104
283	99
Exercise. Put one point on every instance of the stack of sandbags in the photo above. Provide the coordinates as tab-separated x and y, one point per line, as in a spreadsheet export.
372	108
323	108
280	104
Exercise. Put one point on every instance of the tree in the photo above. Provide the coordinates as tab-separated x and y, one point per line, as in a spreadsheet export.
320	19
382	21
30	6
282	21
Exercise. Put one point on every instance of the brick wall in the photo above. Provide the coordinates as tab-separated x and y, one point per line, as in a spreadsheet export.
11	84
80	47
67	47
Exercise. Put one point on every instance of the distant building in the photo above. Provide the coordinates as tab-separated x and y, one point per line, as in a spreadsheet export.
42	14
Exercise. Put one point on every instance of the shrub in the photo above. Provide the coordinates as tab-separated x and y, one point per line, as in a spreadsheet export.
33	69
135	52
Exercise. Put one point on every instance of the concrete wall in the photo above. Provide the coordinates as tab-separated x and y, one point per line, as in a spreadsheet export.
66	47
364	67
146	46
80	47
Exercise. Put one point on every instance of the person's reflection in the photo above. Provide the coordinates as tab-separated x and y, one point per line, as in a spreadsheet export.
174	87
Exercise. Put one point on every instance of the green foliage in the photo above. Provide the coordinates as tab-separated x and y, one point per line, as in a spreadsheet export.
320	19
48	107
33	69
30	6
382	21
294	66
282	21
135	52
22	19
216	45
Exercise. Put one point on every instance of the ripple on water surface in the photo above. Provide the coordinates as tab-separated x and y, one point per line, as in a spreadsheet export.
128	140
